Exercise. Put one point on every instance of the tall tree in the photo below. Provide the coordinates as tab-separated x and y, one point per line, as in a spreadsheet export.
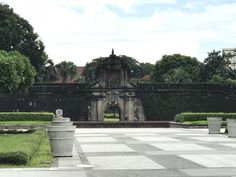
66	70
186	66
90	69
146	71
16	72
216	66
134	65
17	34
49	73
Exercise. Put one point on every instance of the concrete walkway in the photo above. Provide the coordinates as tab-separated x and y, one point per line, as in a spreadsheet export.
143	152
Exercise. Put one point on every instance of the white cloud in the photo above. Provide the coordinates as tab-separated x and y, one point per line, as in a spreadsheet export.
92	31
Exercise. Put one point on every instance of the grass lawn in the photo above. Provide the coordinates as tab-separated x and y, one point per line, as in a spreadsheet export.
111	120
42	158
110	117
34	147
200	122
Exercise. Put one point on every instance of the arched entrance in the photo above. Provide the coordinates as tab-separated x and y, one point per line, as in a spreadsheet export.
112	113
113	95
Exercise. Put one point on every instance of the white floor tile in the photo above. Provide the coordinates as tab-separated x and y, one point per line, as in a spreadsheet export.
213	160
106	148
90	134
141	134
229	145
180	146
214	138
95	139
123	162
147	138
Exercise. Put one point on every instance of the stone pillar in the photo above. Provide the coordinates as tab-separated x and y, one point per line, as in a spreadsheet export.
139	112
130	109
93	110
100	110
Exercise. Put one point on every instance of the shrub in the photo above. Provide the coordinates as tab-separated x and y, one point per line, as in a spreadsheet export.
16	158
26	116
198	116
18	149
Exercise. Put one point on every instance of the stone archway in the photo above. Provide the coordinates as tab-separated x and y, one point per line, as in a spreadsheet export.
113	88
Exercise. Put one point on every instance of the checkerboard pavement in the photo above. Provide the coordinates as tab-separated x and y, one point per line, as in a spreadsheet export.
145	152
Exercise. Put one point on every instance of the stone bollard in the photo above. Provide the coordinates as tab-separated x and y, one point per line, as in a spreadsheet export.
61	135
231	126
214	124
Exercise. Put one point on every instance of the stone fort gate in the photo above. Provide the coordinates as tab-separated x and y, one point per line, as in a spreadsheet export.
114	90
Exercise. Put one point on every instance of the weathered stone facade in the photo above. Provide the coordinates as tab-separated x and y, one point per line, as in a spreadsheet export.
113	89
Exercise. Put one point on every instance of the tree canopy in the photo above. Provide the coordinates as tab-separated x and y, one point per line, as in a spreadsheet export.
66	70
138	70
176	68
16	34
216	67
16	72
48	73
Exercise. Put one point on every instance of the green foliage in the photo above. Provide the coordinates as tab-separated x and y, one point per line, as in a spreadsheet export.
218	79
48	73
17	158
146	71
176	68
66	70
18	35
42	157
133	64
26	116
177	75
16	72
138	70
111	115
199	122
111	120
90	69
216	67
201	116
18	149
230	81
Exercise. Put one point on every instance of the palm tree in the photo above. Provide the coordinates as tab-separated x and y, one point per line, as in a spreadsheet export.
50	74
66	70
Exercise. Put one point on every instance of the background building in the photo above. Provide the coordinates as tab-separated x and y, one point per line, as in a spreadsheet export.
232	51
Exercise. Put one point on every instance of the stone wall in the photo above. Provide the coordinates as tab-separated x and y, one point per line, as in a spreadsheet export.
163	101
72	98
160	101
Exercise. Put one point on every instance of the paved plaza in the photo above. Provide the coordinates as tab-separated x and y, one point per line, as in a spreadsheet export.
142	152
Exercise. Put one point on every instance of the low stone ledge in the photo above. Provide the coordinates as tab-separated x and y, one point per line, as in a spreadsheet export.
122	124
141	124
15	127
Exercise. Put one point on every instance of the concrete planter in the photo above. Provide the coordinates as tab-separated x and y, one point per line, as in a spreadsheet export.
61	140
231	125
61	122
214	124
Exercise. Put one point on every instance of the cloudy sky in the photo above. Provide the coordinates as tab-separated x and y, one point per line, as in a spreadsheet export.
80	30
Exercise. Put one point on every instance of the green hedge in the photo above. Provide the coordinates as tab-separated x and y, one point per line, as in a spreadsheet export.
197	116
18	149
26	116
